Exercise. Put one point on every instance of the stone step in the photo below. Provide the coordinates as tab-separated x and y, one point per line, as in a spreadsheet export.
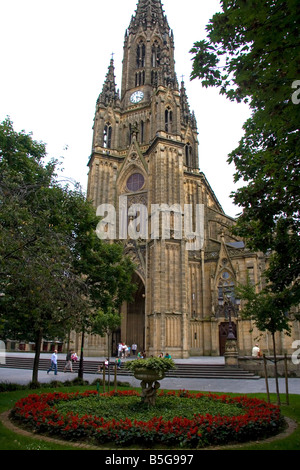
183	370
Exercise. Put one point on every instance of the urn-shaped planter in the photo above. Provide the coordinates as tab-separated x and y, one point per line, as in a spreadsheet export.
148	375
149	383
149	371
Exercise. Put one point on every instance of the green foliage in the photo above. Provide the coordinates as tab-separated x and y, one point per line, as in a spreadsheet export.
54	270
152	363
265	309
106	323
252	54
131	407
10	440
231	419
40	288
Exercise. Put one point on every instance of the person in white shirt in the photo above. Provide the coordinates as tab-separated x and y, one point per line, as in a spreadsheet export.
134	348
53	363
120	349
256	351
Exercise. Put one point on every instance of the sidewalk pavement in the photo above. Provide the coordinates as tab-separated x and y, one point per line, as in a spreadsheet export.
23	377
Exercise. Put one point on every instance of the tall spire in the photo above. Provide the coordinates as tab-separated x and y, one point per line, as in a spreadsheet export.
186	116
149	49
148	14
109	94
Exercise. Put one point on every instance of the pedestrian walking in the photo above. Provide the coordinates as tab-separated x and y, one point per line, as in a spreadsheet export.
53	363
69	362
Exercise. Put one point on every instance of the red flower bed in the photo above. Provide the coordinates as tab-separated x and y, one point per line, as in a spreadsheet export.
258	419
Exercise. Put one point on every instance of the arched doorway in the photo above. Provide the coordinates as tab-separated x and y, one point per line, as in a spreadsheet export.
135	321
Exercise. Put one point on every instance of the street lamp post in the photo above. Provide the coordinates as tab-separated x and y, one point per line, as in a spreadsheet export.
229	306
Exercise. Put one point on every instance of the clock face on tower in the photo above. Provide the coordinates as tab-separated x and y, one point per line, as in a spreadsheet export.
136	97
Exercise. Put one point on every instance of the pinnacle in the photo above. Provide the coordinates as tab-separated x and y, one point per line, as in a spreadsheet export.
109	94
149	13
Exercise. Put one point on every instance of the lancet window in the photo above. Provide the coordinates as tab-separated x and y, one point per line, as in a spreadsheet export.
140	55
140	78
156	54
168	119
154	78
107	135
188	155
142	131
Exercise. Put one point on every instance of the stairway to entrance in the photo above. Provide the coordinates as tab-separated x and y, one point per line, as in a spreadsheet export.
183	370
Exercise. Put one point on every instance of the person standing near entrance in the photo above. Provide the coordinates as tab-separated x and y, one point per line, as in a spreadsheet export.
53	363
134	348
120	349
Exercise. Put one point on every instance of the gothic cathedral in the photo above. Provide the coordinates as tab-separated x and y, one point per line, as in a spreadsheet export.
145	155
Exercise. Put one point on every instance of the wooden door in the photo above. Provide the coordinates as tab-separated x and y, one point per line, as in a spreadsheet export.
223	333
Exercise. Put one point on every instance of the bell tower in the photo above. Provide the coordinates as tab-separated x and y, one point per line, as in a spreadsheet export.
145	159
148	52
144	141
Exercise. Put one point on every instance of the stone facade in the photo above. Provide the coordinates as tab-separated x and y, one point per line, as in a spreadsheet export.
145	153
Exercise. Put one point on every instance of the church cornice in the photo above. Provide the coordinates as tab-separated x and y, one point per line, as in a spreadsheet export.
102	154
172	141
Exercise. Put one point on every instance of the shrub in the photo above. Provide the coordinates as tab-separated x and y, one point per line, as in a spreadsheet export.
152	363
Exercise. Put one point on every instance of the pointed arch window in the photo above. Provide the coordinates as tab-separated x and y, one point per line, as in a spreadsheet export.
140	55
154	78
228	303
107	135
142	131
130	134
140	78
225	286
168	119
156	54
188	155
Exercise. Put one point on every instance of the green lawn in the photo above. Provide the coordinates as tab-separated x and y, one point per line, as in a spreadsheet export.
10	440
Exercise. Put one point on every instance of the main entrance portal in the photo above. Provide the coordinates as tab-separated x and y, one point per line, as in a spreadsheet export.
135	324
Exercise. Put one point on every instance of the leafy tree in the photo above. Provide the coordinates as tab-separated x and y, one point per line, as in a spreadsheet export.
42	294
268	312
108	278
252	55
105	323
54	271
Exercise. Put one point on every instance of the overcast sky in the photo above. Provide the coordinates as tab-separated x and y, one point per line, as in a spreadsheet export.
54	59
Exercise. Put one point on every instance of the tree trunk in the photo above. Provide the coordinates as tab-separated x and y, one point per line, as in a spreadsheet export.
275	368
36	362
108	358
80	370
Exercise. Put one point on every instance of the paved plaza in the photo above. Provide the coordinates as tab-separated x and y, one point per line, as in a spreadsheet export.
23	377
